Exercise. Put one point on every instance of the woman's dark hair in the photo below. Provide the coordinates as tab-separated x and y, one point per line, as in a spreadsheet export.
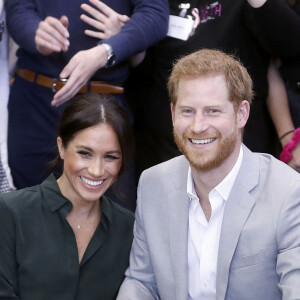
87	110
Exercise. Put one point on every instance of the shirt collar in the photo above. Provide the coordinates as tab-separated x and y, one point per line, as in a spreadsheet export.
224	187
56	200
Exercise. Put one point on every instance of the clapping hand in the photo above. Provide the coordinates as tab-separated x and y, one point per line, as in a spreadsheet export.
105	20
52	35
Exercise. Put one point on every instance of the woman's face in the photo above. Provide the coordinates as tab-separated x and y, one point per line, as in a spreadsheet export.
92	161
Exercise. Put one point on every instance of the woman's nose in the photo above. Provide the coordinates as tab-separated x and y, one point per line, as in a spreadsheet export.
96	168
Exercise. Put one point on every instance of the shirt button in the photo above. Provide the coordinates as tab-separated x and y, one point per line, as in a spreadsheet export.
204	284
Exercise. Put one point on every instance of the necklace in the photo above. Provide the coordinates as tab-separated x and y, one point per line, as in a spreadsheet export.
80	226
88	224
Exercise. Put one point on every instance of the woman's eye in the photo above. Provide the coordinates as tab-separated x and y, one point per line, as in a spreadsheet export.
84	154
112	157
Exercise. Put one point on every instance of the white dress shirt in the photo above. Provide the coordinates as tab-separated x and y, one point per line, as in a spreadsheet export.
204	236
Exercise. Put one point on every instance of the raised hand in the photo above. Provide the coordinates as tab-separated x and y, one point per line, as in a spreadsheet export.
52	35
79	70
105	20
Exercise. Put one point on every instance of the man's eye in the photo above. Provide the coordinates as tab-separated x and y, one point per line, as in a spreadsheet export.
213	111
187	111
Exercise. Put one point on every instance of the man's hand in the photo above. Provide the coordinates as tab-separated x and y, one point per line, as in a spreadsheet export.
79	70
52	35
105	20
257	3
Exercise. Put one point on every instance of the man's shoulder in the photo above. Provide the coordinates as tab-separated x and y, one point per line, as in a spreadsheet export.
169	167
166	176
275	171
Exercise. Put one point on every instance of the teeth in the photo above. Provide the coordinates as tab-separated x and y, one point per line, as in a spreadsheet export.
205	141
90	182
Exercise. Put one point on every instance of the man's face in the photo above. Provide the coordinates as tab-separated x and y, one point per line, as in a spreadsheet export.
206	125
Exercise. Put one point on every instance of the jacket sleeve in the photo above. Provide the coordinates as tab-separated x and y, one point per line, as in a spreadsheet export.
288	239
148	24
8	262
22	23
279	27
139	282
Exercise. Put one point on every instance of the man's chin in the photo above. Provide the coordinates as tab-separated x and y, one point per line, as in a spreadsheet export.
203	166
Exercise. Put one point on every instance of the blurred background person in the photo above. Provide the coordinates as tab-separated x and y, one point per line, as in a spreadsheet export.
284	83
281	110
6	48
230	26
72	241
55	45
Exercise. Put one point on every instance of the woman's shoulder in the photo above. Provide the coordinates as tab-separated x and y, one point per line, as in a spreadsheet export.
17	198
116	211
18	203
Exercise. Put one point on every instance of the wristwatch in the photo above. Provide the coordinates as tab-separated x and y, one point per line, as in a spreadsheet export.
110	55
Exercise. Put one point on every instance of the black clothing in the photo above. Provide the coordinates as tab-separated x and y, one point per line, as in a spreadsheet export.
281	35
225	25
38	250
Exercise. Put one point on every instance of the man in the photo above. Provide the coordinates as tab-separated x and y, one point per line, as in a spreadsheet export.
236	27
219	222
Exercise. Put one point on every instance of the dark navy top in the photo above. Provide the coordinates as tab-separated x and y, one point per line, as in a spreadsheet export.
148	24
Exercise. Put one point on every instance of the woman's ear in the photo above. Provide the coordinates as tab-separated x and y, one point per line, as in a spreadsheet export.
60	147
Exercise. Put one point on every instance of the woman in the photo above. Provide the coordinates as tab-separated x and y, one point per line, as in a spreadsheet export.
63	239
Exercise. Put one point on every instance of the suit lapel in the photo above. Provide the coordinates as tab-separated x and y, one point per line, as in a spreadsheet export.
237	210
179	208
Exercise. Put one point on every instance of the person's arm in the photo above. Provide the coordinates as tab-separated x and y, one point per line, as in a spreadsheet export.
288	241
106	23
8	263
148	24
22	22
277	102
139	282
33	34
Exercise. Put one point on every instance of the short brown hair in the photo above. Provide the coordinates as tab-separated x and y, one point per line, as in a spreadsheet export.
208	62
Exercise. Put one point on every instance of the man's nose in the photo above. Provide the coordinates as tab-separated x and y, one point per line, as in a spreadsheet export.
199	123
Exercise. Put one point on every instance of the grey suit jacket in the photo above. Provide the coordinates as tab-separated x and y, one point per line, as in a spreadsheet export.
259	250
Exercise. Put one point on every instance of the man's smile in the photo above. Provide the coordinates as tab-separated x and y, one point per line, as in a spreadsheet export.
202	141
